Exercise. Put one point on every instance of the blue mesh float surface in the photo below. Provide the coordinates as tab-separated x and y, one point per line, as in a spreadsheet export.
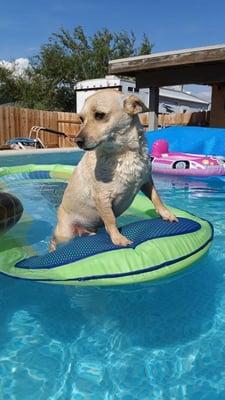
39	175
86	246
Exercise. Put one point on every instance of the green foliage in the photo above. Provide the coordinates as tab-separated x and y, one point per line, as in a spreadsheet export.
67	58
9	86
145	47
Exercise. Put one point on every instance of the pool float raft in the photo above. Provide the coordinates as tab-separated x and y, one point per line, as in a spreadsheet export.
184	164
159	249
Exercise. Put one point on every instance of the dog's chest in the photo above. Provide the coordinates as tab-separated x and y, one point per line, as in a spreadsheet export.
129	175
131	171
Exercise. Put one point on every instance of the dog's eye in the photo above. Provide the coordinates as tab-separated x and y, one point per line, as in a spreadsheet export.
99	115
81	119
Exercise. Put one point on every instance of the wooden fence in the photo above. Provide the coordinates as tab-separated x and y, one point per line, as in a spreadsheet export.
17	122
193	119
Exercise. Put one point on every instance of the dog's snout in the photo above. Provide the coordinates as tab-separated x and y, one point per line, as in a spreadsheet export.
79	141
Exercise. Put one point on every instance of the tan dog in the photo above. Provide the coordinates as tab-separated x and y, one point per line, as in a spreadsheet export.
114	168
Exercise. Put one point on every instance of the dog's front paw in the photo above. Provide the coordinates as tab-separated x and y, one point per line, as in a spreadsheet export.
167	215
120	240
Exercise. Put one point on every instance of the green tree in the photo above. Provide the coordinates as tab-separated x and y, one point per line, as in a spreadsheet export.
8	86
67	58
145	47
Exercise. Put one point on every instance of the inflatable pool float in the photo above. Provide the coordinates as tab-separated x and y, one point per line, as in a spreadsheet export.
172	163
11	211
159	248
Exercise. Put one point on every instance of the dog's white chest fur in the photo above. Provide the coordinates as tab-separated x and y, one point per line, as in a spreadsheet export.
122	177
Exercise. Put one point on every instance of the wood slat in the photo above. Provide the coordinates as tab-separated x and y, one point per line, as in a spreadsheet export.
168	59
17	122
192	119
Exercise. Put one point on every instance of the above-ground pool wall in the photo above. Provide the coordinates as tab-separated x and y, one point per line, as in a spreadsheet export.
67	156
191	139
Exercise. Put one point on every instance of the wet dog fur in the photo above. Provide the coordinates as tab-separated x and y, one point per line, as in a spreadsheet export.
114	168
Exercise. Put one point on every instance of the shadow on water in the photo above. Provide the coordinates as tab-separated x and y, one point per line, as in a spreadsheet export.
176	312
169	313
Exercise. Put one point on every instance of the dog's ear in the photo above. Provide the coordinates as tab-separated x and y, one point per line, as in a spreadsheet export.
133	105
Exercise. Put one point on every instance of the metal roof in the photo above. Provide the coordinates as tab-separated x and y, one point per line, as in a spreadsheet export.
180	95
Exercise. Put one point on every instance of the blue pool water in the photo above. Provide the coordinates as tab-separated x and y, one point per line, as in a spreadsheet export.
160	341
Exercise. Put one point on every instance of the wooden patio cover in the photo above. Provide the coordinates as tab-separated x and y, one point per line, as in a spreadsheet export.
204	65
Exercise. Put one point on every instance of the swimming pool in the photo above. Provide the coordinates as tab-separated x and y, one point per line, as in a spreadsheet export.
162	341
69	156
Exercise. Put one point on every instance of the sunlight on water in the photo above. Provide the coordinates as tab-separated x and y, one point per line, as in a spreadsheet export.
151	341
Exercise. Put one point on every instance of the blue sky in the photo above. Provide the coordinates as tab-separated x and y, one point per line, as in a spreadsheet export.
170	24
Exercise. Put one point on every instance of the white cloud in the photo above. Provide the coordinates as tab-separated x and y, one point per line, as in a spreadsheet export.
18	66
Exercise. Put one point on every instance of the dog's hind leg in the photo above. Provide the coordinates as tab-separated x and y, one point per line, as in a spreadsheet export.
63	231
66	230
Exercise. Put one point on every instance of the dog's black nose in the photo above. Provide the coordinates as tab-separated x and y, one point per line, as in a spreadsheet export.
79	141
